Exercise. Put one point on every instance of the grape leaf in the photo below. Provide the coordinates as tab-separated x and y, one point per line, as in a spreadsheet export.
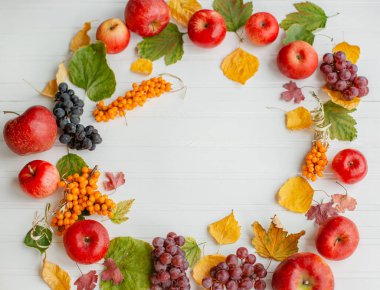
81	38
226	230
88	69
293	92
234	12
298	32
70	164
121	210
87	281
113	181
112	272
192	251
133	258
182	10
168	43
343	202
55	276
310	15
321	212
342	123
39	237
275	243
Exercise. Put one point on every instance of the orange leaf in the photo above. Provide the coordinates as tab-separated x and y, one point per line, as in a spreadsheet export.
276	243
226	230
142	66
202	268
182	10
352	51
81	38
298	119
337	98
52	87
55	277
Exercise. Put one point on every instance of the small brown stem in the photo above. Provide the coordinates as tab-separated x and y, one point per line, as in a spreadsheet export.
270	262
345	189
92	172
321	190
11	112
31	170
79	268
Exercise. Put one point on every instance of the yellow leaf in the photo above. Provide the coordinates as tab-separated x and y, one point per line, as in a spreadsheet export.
52	87
337	98
182	10
298	119
352	51
296	195
202	268
226	230
55	277
81	38
240	66
142	66
276	243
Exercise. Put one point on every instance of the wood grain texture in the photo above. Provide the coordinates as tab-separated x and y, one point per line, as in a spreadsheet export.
188	161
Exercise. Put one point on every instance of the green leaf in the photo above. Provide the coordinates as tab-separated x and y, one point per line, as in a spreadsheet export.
309	15
234	12
88	69
192	251
134	259
342	124
70	164
39	237
168	43
298	32
121	210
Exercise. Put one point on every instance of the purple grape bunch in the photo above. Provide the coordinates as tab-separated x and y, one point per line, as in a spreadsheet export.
170	264
341	75
239	271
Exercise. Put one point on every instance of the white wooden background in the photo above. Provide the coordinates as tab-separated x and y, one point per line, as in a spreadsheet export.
188	161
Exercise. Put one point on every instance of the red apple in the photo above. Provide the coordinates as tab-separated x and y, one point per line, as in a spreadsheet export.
207	28
297	60
337	238
147	17
114	34
262	28
32	132
86	241
39	178
350	166
303	271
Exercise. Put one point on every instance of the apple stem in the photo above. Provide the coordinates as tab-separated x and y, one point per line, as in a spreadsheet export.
345	189
31	170
11	112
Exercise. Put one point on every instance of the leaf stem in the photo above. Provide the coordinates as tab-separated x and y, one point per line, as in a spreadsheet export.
241	39
329	37
79	268
321	190
336	14
345	189
270	262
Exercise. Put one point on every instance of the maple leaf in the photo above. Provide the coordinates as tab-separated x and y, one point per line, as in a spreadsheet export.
321	212
112	272
87	281
293	92
114	181
343	202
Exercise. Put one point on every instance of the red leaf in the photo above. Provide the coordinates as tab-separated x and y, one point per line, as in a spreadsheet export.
114	181
112	272
292	93
87	281
321	212
344	202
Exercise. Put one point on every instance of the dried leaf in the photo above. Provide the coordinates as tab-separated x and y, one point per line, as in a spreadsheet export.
240	66
352	51
277	223
112	272
87	281
202	268
192	251
298	119
226	230
293	92
338	99
321	212
121	210
81	38
343	202
113	181
296	194
182	10
52	87
275	244
143	66
55	277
